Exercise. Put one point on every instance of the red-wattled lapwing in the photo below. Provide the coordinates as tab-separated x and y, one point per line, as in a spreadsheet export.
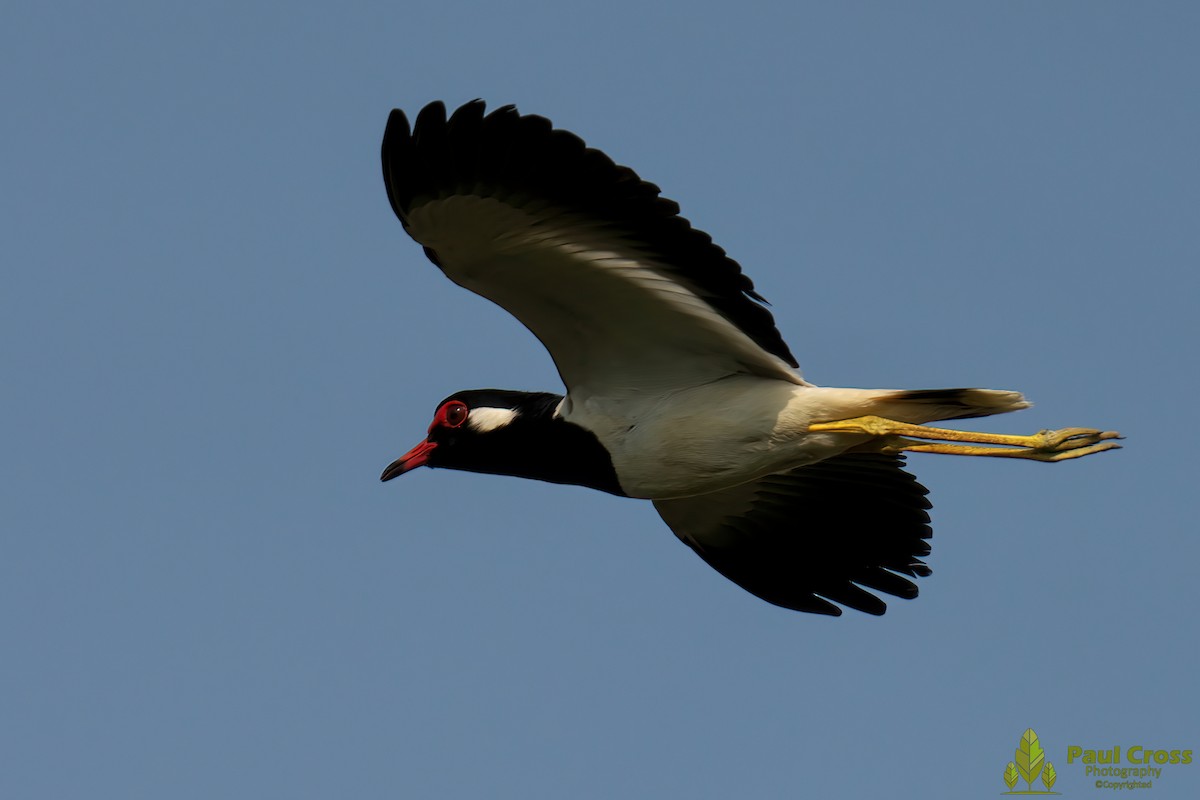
680	389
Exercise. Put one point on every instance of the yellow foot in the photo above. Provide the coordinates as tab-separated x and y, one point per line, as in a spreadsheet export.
899	437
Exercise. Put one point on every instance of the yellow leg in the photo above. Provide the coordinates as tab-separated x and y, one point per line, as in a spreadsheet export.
899	437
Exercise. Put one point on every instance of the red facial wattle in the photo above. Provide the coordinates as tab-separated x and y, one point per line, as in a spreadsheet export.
451	414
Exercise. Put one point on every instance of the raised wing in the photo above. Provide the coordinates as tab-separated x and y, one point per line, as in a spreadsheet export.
816	534
622	291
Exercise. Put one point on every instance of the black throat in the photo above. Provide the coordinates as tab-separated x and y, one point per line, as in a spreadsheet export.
536	444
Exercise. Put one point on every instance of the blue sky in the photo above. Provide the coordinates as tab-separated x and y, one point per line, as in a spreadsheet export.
215	335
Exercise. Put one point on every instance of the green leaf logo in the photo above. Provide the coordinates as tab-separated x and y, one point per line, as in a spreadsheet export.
1030	758
1030	763
1049	776
1010	775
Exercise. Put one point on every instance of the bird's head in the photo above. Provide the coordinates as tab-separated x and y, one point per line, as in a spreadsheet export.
502	432
480	430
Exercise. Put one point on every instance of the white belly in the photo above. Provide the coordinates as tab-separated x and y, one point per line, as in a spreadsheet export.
711	437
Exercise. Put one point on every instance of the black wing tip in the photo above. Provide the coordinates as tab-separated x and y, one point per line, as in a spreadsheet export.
432	116
850	596
397	126
856	593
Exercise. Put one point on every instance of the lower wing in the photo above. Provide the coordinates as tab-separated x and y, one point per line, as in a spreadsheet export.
816	534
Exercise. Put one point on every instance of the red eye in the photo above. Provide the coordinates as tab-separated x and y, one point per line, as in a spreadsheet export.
453	413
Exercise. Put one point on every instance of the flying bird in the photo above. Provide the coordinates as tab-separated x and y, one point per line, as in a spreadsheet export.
679	388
